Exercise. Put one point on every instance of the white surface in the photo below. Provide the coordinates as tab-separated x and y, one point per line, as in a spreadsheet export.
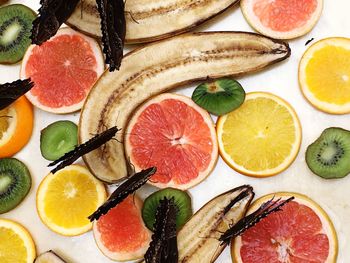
332	195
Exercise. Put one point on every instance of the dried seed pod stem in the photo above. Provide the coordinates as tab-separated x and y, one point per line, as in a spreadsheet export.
10	92
128	187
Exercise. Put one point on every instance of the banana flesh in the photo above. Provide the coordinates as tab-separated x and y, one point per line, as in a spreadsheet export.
151	20
159	67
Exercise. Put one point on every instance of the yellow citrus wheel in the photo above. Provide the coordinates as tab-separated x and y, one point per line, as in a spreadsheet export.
262	137
65	199
301	230
16	243
324	75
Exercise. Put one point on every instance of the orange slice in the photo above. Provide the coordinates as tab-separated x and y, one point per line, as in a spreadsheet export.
324	75
300	232
16	243
262	137
16	125
65	199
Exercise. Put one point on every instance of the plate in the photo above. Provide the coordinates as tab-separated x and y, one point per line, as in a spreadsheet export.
281	79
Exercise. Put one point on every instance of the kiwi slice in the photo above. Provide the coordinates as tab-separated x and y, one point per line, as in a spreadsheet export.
15	182
220	96
182	202
15	29
57	139
329	155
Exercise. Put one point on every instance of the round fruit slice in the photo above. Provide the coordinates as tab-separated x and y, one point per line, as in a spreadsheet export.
324	75
121	234
16	125
64	69
300	232
262	137
16	243
65	199
282	19
175	135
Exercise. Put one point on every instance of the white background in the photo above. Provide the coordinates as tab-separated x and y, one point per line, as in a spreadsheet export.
332	195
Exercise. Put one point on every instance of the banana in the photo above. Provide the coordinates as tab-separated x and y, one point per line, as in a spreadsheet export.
198	240
161	66
151	20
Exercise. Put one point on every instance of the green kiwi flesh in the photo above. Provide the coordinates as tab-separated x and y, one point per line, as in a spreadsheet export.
57	139
329	156
182	201
220	96
15	183
15	29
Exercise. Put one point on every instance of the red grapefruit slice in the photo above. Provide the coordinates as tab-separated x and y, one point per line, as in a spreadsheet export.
301	232
121	234
64	70
282	19
174	134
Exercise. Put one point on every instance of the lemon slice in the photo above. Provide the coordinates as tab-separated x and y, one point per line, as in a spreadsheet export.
65	200
324	75
262	137
16	244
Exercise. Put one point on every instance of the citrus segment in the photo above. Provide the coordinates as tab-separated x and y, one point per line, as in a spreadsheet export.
16	243
121	233
175	135
324	75
262	137
16	125
65	200
63	69
300	232
282	19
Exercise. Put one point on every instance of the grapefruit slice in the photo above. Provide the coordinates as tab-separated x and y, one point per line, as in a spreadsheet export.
64	69
282	19
300	232
175	135
121	234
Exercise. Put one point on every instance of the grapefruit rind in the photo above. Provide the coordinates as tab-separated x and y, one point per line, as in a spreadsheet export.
206	117
318	104
40	201
99	70
327	224
270	172
255	23
122	256
23	233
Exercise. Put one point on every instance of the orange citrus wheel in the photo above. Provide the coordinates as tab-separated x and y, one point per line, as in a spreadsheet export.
300	232
16	125
324	75
262	137
17	245
64	200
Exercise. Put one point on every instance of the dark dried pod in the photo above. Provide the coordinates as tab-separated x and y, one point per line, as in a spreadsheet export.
92	144
113	27
52	14
10	92
128	187
248	221
163	247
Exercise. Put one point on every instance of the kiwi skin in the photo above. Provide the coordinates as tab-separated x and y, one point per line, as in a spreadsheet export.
17	188
182	202
329	156
23	16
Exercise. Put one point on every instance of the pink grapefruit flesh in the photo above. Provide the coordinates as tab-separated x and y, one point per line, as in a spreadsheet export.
300	233
121	233
178	137
282	19
64	69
